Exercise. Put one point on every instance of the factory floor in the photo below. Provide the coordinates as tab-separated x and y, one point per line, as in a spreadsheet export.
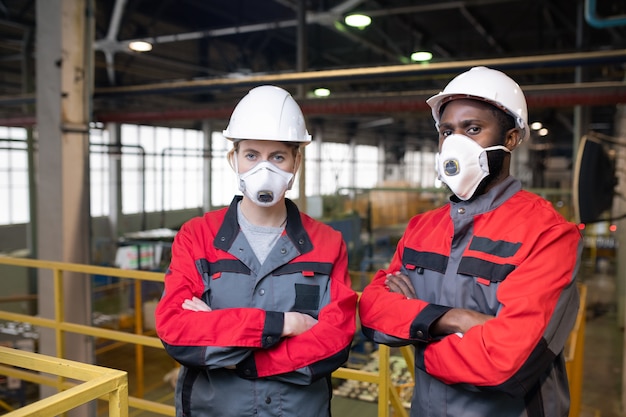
602	381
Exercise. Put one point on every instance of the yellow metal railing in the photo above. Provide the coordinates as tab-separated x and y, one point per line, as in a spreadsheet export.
387	392
99	382
388	395
61	326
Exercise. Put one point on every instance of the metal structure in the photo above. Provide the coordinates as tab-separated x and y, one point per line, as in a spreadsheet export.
207	54
98	382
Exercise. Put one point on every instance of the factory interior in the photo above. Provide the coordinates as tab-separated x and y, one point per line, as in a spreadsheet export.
111	121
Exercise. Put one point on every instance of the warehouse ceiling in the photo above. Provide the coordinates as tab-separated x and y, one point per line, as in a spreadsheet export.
207	54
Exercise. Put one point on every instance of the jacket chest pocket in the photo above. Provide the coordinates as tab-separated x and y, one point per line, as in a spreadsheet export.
481	279
302	287
473	285
426	271
227	283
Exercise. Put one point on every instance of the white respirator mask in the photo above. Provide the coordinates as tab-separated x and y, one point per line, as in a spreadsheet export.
462	164
264	184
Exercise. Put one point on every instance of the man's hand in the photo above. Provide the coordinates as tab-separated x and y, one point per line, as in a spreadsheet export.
459	320
456	320
195	304
297	323
401	284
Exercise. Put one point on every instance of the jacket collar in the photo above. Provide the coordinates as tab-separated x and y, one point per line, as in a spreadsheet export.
295	230
495	197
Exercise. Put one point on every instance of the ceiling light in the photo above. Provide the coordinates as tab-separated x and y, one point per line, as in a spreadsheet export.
358	20
321	92
543	131
421	56
140	46
536	125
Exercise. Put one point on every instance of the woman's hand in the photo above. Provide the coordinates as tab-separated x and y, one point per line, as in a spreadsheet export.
195	304
297	323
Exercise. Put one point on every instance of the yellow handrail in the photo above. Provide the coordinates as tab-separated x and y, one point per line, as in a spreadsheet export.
99	382
388	395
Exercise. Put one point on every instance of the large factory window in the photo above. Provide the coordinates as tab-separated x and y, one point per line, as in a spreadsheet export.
13	176
223	178
170	175
160	169
99	178
333	166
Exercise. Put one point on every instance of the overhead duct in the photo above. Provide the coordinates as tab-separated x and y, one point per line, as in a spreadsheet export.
601	22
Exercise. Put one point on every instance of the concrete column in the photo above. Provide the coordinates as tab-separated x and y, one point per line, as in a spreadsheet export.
63	91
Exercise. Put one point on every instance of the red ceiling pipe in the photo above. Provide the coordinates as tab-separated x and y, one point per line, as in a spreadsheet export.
599	97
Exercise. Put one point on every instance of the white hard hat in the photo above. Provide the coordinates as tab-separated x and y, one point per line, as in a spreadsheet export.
267	113
488	85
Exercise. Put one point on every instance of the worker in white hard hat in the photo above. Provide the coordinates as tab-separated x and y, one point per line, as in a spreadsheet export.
258	307
483	287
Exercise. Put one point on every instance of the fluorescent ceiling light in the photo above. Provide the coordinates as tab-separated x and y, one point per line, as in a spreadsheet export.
140	46
321	92
358	20
421	56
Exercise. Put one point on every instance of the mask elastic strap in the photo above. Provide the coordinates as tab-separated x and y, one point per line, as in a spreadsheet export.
498	148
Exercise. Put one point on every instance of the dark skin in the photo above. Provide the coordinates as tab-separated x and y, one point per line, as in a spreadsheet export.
476	120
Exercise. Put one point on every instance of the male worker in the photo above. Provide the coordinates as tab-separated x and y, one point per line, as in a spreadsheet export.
483	287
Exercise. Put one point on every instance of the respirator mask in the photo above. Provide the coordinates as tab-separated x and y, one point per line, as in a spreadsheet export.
462	164
264	184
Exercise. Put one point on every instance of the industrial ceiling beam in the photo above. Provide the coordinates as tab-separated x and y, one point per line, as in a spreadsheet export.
544	96
538	96
369	73
366	73
556	95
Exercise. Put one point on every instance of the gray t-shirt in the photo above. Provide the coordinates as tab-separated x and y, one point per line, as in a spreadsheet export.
261	238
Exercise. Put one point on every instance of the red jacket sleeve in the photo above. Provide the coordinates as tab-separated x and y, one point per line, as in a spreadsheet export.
241	327
539	306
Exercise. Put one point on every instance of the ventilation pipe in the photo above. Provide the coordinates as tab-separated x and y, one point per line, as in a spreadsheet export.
600	23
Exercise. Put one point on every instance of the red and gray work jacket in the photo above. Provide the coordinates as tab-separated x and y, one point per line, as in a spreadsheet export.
234	360
508	254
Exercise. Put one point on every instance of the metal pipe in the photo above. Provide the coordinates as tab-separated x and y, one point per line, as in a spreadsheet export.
546	95
600	23
370	73
591	94
381	72
556	95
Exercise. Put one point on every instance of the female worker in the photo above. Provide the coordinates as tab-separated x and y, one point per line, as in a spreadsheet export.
257	306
